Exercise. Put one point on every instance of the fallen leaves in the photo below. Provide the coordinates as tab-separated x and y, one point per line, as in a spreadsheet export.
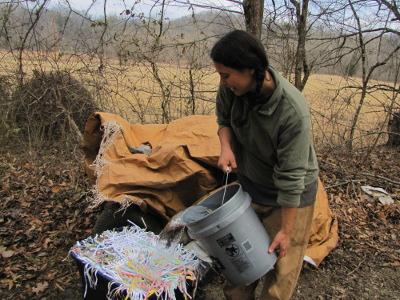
56	189
6	253
40	287
364	222
42	214
392	264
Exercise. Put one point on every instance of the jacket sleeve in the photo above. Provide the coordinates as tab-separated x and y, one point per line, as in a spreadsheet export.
293	152
223	108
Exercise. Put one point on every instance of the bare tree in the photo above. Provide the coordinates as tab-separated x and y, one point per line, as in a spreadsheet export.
253	15
301	71
251	10
394	115
369	67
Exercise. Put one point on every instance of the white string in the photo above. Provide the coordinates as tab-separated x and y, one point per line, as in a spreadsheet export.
226	183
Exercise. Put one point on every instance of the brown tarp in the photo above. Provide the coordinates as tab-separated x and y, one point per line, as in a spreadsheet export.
324	231
181	169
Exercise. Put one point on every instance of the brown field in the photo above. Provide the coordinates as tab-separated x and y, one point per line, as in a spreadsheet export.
142	93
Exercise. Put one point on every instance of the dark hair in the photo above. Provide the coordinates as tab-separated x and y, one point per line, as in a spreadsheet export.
240	50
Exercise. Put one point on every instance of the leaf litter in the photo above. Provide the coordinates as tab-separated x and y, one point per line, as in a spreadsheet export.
44	211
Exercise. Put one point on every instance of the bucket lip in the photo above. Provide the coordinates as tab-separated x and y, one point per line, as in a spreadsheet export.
212	228
219	207
234	184
221	189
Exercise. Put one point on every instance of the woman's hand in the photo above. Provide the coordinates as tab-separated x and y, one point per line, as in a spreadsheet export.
227	160
281	241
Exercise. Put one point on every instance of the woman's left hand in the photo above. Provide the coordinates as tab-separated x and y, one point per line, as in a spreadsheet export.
280	243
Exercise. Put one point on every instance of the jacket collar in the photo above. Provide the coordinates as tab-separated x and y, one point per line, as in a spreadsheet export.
269	106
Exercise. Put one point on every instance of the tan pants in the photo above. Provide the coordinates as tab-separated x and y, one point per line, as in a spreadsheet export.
281	281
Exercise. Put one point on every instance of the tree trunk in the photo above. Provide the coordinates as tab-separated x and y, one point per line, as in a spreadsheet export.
301	67
394	129
253	14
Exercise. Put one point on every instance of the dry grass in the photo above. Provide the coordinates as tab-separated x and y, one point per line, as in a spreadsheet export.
140	93
333	106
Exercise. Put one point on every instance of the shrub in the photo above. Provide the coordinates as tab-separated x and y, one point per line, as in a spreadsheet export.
51	106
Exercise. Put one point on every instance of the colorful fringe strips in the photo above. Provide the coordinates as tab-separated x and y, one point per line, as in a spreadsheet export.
139	262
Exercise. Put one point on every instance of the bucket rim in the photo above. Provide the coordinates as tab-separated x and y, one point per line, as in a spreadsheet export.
219	208
220	217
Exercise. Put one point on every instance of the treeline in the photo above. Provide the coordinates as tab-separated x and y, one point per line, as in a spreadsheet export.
332	46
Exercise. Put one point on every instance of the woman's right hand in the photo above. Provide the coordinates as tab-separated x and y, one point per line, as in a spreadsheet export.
227	160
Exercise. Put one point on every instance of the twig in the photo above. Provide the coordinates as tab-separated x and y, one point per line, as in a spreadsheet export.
344	183
68	115
354	191
381	177
356	267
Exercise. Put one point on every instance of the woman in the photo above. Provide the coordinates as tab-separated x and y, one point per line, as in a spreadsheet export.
264	131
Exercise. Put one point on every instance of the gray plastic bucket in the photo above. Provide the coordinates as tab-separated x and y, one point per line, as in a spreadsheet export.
232	234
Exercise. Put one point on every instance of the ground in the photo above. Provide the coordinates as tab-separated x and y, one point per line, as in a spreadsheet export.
44	209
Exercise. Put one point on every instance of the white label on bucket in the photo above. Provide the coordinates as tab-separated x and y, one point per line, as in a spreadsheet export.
247	245
234	252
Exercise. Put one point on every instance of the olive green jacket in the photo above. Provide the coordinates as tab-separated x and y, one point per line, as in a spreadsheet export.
271	138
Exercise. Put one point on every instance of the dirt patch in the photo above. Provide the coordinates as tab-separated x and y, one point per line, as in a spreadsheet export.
43	212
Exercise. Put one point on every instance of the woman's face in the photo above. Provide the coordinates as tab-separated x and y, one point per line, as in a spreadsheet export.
239	82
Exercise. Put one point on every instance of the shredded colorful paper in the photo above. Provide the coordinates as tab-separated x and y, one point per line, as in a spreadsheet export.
139	263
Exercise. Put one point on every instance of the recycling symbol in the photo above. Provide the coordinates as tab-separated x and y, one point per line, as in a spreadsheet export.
232	250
